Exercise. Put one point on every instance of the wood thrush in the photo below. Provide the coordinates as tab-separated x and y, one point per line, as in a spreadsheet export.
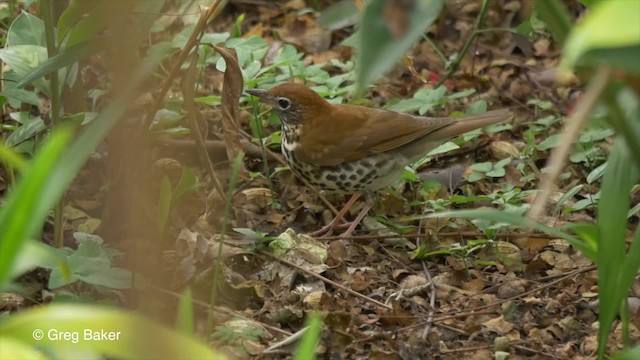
349	149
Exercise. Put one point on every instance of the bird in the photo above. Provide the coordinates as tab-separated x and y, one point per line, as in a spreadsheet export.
350	149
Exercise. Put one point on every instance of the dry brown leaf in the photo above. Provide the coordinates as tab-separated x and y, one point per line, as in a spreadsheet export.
231	92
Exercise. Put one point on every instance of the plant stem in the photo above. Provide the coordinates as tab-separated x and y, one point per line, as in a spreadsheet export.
456	63
54	89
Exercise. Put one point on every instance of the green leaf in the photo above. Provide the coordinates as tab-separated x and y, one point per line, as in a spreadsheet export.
137	337
25	208
53	169
554	13
549	142
184	319
70	16
610	25
309	342
23	59
37	254
24	96
616	268
25	132
26	29
629	354
339	15
94	20
91	263
596	173
446	147
187	183
518	220
568	195
11	158
377	51
62	59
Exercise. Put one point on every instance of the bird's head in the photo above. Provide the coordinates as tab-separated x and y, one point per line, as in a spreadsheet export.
294	103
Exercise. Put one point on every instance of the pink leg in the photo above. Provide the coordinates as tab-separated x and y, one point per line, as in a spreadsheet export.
328	229
365	210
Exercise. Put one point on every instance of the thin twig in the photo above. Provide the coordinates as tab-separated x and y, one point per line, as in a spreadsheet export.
219	310
432	302
287	341
193	41
464	234
471	312
330	282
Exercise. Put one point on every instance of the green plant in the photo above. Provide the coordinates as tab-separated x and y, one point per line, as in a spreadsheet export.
65	330
91	264
38	50
168	196
307	347
603	39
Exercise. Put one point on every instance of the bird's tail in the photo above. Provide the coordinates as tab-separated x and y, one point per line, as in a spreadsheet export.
473	122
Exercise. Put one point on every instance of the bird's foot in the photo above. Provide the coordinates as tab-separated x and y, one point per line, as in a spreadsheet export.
328	229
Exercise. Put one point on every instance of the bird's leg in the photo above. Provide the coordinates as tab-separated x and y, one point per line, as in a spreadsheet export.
328	229
369	202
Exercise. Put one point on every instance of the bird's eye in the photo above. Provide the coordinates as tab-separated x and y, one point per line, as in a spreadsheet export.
284	103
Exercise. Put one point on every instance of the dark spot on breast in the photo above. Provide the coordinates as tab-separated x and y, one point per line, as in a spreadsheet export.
331	177
353	177
343	176
360	171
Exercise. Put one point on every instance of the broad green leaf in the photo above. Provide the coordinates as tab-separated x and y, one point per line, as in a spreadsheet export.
24	96
612	26
133	336
377	51
23	59
90	263
25	210
25	132
53	169
26	29
62	59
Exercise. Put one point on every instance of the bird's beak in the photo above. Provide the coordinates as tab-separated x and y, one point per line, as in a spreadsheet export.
257	93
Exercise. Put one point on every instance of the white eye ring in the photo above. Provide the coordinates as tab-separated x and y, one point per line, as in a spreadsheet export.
284	103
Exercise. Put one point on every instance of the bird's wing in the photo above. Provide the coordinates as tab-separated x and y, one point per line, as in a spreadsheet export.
362	133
